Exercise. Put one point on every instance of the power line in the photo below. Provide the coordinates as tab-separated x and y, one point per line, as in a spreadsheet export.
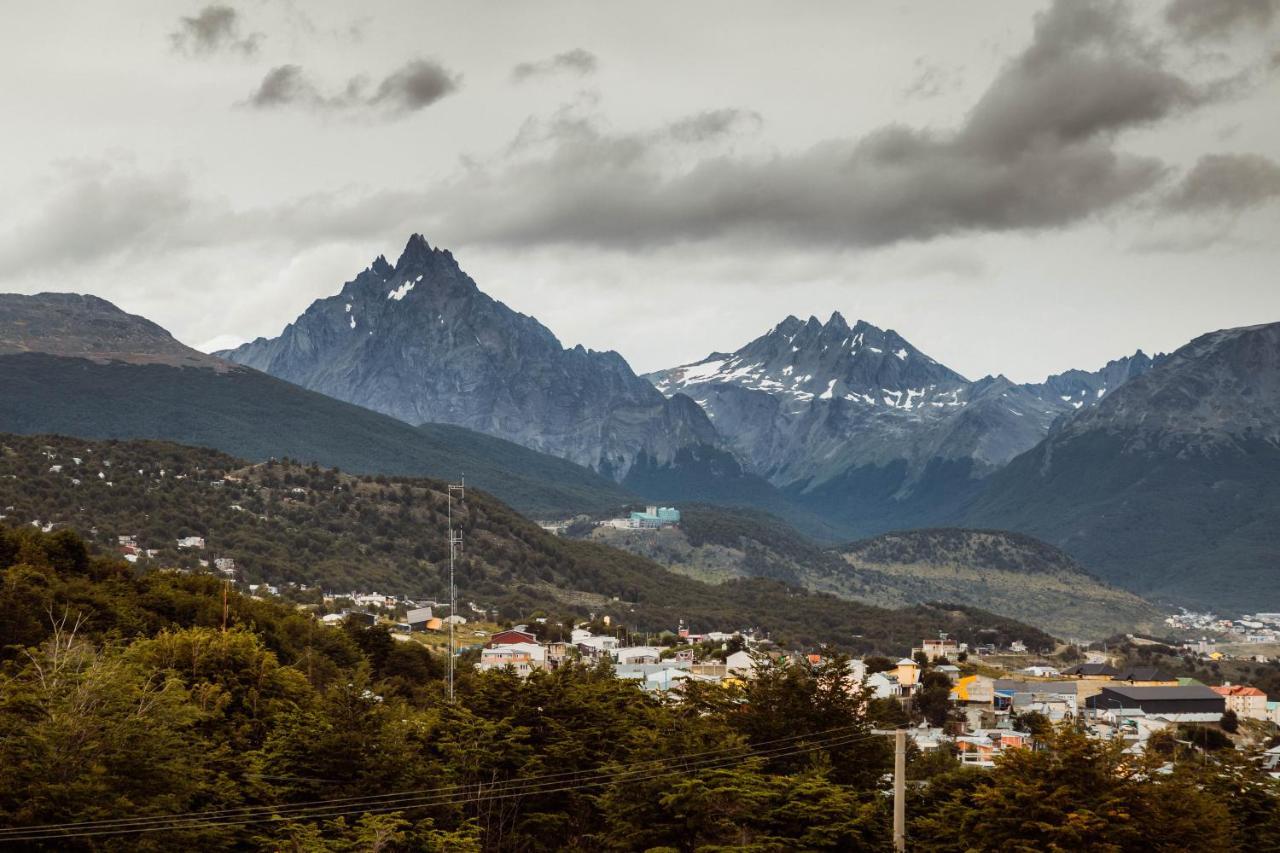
520	780
437	797
425	802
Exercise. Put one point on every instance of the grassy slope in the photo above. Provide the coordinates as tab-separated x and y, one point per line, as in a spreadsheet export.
1005	573
254	416
342	531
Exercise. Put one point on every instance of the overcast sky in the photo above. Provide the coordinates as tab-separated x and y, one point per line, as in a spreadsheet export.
1015	187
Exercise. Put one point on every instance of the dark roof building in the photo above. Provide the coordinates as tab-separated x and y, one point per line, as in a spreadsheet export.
1093	670
1184	704
1145	673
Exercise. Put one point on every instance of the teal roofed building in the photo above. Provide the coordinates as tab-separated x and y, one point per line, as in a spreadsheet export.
655	518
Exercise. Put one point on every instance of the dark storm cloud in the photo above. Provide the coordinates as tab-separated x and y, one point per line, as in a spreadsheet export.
1037	150
576	61
418	84
216	28
1231	182
1216	19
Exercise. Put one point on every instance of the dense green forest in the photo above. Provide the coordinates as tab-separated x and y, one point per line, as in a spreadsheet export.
134	715
284	521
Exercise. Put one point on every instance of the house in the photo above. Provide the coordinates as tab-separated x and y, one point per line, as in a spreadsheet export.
524	658
1273	712
418	618
333	618
455	620
1039	671
594	646
654	518
1146	676
974	690
940	648
225	565
927	738
1248	702
741	663
882	685
1093	671
982	747
187	542
360	617
1177	704
908	673
512	635
1012	694
637	654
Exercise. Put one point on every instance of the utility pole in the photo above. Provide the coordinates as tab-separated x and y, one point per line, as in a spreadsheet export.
455	543
900	791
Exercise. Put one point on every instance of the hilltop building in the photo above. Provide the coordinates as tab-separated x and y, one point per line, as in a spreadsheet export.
654	518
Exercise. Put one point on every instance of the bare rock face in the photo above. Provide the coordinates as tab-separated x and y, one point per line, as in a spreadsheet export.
421	342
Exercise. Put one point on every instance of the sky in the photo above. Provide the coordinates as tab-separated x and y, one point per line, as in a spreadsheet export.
1015	187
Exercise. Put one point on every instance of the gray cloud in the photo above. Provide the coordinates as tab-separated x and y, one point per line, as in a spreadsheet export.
215	29
1197	20
930	80
417	84
1232	182
714	124
1037	150
576	61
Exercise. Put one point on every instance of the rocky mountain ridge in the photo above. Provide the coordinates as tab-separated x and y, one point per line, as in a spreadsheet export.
419	341
822	409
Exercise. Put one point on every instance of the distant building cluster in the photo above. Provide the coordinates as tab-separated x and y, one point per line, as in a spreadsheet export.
1248	628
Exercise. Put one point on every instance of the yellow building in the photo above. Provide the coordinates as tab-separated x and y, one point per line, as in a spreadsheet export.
908	672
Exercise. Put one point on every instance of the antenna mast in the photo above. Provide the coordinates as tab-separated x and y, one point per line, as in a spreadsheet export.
455	544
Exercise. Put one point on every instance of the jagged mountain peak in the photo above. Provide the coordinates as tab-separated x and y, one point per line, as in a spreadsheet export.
421	342
804	361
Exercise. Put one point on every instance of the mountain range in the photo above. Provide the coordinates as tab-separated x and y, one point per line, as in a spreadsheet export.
78	365
1155	473
858	421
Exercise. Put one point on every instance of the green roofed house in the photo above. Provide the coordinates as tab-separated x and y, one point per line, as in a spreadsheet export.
655	518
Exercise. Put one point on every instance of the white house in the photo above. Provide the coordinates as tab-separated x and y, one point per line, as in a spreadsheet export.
637	654
521	657
741	663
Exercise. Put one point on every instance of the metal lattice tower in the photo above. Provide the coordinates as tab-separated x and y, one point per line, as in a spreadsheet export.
455	545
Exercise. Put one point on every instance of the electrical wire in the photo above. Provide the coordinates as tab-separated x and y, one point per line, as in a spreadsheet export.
520	780
415	800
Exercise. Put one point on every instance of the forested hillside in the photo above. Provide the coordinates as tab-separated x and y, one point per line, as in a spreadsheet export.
283	521
252	415
135	715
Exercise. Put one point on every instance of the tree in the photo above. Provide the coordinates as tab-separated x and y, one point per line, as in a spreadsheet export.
1077	794
933	699
1230	722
